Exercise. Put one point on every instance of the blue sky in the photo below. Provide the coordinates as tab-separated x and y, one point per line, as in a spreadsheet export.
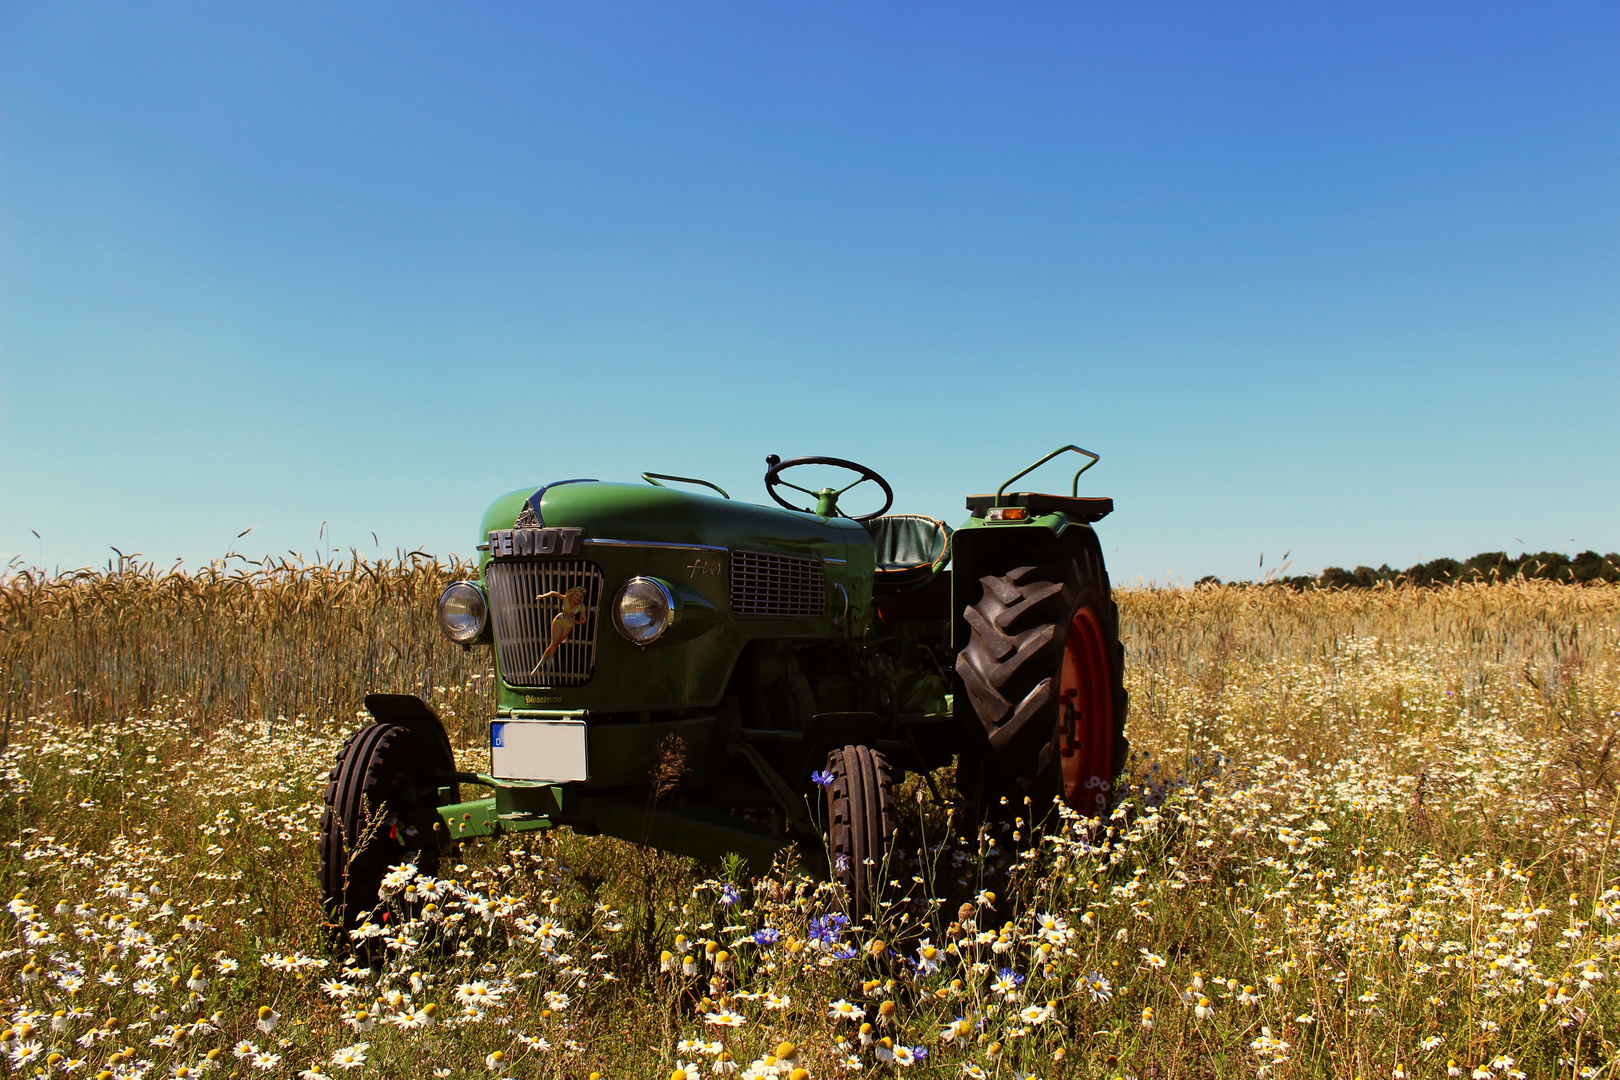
1339	279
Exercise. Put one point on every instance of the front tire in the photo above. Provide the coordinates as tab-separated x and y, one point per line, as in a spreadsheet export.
378	797
860	825
1043	681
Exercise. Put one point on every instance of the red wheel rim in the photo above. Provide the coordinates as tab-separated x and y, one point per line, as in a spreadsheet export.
1086	717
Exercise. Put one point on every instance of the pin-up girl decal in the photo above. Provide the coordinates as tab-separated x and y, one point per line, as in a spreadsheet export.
562	624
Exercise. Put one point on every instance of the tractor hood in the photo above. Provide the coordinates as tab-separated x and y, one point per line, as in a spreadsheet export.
644	514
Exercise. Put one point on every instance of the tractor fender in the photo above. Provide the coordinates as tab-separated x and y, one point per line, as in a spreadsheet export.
976	547
417	717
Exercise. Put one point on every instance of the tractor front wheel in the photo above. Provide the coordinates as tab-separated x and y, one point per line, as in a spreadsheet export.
860	825
1043	681
375	798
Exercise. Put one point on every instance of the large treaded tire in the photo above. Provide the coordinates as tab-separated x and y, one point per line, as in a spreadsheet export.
1043	678
381	783
860	825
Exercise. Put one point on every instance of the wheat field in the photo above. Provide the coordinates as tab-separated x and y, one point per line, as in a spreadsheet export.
1362	834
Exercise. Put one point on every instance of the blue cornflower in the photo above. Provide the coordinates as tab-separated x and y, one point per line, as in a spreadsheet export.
827	929
729	894
767	936
821	778
920	1053
846	953
1009	973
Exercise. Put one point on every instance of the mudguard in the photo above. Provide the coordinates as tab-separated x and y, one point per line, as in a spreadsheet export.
417	717
1038	539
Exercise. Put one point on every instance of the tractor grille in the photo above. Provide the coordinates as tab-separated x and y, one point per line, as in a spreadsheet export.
523	623
782	585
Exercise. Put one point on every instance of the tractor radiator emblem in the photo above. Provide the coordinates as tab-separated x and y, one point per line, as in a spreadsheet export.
573	613
701	566
521	541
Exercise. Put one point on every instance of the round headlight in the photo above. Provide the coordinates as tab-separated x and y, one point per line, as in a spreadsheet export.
643	610
462	612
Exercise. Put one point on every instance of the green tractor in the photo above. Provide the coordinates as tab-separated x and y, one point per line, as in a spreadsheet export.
709	676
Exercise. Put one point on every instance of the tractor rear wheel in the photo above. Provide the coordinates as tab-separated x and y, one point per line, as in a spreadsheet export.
377	792
1043	681
860	825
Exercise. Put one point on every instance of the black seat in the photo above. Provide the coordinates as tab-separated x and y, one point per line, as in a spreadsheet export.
908	549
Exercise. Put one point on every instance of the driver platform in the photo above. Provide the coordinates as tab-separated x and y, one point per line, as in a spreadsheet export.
1083	509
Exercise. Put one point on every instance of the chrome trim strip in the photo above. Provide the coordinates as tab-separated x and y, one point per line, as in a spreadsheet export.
665	544
828	559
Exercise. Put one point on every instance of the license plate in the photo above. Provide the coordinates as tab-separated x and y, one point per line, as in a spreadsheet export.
552	750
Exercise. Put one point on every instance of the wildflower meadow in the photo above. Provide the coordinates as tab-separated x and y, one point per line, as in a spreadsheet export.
1361	834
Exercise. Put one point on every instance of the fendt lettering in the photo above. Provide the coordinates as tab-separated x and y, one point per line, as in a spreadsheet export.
509	542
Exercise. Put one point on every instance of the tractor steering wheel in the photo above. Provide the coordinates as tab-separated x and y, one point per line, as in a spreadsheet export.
826	498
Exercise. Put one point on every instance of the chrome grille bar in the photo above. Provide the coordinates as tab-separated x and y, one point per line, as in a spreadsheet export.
523	623
780	585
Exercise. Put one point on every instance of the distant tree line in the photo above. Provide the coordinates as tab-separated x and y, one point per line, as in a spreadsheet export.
1587	568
